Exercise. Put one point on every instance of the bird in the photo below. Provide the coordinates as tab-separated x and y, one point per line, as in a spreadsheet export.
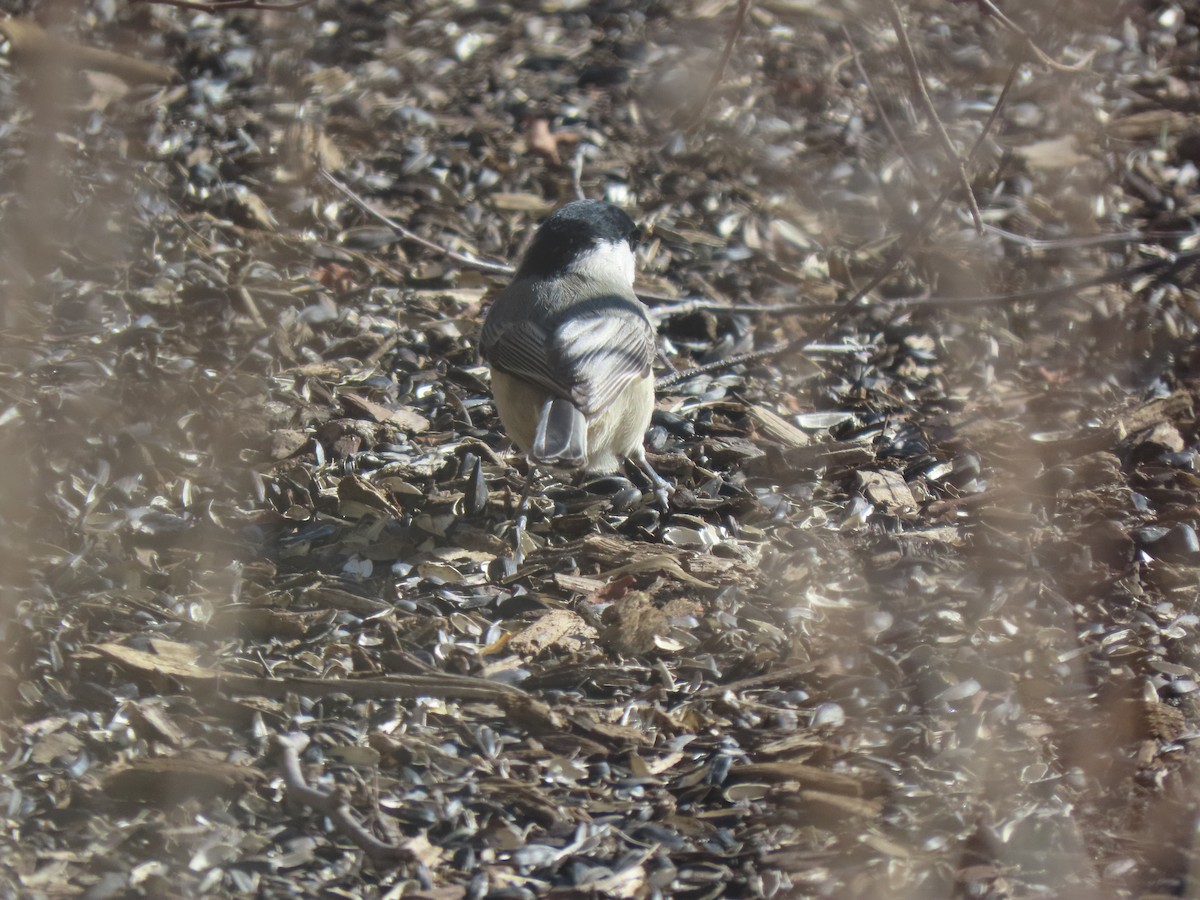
571	347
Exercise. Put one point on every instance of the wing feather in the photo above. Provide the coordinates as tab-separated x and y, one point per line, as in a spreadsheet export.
522	349
588	353
603	349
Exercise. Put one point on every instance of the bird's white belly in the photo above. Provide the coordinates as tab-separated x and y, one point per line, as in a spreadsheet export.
613	433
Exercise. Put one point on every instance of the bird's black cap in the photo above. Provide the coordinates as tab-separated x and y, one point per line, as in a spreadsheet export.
572	230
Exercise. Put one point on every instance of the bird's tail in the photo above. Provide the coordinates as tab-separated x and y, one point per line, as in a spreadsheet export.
561	437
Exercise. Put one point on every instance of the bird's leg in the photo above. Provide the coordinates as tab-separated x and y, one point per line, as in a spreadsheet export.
521	516
662	488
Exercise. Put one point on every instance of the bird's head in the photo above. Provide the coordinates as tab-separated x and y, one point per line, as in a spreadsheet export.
584	238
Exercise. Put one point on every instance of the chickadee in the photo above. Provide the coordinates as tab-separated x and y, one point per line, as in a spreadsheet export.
570	346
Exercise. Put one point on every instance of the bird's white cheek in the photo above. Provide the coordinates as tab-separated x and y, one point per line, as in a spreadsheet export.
630	262
607	263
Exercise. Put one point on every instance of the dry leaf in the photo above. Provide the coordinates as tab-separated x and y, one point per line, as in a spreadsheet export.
546	143
336	277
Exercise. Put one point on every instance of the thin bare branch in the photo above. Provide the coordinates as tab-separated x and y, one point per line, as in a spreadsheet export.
1041	55
703	304
918	175
722	364
334	805
918	80
472	262
1074	243
935	209
1160	267
216	6
739	20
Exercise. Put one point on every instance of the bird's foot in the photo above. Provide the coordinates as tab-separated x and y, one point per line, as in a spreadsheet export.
518	539
663	489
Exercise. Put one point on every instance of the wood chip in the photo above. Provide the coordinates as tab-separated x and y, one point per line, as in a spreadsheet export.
632	624
631	556
807	775
354	490
776	428
888	491
169	780
403	418
559	629
30	43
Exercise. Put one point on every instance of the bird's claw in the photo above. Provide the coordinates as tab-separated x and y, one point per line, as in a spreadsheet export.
518	536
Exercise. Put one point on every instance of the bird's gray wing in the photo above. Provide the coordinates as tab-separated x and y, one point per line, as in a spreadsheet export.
522	349
600	347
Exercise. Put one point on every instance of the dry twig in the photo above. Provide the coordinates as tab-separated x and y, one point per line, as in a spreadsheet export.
389	687
703	304
935	209
1076	243
1041	55
739	20
215	6
334	805
1159	267
883	116
918	80
472	262
723	364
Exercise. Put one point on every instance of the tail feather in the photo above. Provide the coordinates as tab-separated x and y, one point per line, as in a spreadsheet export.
561	437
